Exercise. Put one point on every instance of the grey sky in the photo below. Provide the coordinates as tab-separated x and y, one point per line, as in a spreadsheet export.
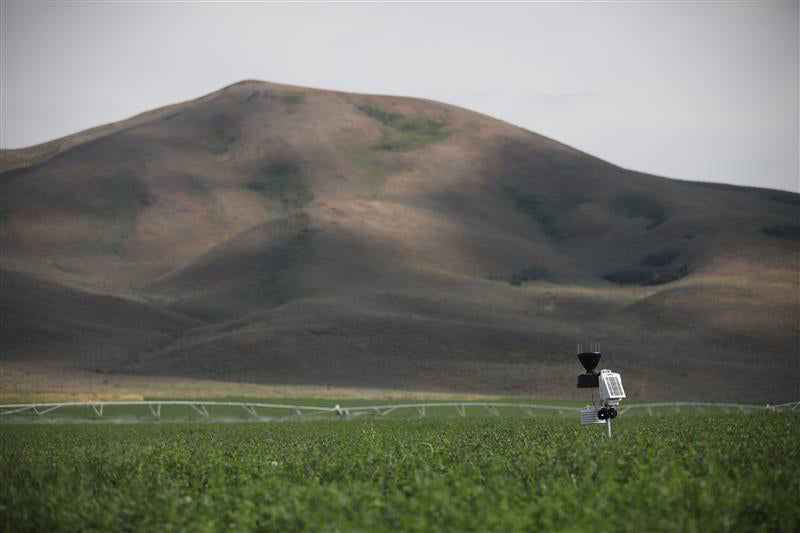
705	91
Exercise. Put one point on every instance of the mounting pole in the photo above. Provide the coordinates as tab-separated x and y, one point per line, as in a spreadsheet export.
608	423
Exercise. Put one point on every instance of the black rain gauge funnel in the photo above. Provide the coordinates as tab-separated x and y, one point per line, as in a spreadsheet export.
589	360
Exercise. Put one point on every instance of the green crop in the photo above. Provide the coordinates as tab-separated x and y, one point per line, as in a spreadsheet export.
678	473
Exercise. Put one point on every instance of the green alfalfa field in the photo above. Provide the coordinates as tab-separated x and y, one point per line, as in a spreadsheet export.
681	472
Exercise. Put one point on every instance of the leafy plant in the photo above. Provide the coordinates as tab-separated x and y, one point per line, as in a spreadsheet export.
677	473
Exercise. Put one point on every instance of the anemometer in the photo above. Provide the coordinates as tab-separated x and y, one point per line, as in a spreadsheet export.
604	409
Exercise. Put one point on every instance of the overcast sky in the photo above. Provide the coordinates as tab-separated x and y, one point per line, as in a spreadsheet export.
702	91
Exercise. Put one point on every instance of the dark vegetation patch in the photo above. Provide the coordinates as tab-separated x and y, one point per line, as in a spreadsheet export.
536	209
249	98
258	275
408	141
185	184
30	158
718	186
647	277
377	167
288	254
51	152
118	197
293	98
15	173
279	179
789	198
660	258
532	273
789	232
174	115
216	135
384	117
570	201
289	98
277	267
37	156
403	133
224	135
640	206
115	201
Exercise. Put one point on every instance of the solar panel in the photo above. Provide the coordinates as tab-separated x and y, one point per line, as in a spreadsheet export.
615	386
611	388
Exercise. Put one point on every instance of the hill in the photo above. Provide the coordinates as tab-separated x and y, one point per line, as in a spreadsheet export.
282	235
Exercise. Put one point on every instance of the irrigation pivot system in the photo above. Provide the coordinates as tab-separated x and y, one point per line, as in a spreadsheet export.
267	411
156	410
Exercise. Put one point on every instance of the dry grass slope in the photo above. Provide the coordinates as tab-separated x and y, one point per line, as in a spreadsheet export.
278	235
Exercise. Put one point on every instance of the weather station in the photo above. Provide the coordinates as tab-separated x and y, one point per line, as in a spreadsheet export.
609	384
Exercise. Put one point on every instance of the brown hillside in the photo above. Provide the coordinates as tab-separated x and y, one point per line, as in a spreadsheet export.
281	235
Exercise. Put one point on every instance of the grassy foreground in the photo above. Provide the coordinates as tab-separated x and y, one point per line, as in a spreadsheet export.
676	473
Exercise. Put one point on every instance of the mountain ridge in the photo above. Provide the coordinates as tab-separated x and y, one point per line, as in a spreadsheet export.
300	232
